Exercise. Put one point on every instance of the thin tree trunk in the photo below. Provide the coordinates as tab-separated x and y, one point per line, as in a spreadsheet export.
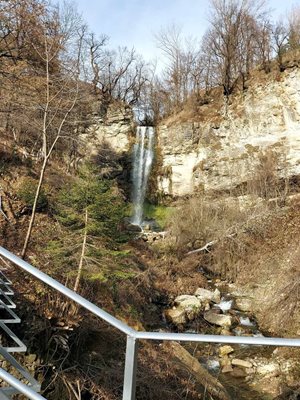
80	266
33	214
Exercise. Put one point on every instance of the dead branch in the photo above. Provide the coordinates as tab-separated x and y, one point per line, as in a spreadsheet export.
212	385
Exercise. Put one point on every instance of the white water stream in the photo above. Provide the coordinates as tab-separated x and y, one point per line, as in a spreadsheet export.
142	162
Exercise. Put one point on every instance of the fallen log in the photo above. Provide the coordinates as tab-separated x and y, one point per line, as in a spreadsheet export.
204	248
211	384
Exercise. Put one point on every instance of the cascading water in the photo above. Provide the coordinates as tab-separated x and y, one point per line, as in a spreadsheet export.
142	162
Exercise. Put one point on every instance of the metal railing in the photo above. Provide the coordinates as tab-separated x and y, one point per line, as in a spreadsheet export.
133	336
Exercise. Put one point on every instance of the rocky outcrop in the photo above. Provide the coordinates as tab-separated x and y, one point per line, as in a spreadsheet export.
111	132
107	141
221	153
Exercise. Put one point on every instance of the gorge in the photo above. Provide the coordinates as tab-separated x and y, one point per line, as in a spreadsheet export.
165	194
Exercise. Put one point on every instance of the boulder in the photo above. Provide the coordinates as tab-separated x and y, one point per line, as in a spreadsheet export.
225	361
132	227
218	319
206	295
241	363
225	350
190	304
226	369
243	304
176	316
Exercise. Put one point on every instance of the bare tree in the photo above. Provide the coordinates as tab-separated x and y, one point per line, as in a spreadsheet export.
61	89
280	35
115	74
231	39
294	27
183	71
263	44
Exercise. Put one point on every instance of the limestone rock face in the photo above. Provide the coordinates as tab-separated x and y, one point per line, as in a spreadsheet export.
111	134
220	155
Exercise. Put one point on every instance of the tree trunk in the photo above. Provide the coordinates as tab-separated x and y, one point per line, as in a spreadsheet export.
208	381
79	272
33	213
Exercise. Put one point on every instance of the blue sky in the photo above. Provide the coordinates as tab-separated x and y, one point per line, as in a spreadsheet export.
133	23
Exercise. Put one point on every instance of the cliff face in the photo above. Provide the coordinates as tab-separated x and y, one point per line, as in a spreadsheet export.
108	142
221	153
113	132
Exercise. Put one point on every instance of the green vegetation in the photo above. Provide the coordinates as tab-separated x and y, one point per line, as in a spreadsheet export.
100	198
159	213
90	211
26	193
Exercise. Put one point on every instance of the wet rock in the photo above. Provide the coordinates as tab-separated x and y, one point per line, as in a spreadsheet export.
225	350
133	228
153	236
241	363
218	319
206	295
176	316
243	304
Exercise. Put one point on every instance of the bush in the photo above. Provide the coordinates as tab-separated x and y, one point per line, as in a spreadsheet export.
26	193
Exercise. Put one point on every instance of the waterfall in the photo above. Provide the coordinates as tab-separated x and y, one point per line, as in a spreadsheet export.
142	162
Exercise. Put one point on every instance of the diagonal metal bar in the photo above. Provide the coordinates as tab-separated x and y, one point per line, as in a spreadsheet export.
21	387
67	292
5	288
20	345
14	318
4	279
35	385
4	299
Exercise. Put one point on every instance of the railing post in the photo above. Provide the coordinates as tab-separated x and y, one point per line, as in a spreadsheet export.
130	368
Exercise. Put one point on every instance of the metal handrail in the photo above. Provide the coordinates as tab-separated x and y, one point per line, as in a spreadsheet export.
22	388
134	336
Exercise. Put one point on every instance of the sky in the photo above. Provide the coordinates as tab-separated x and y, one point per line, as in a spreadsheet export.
133	23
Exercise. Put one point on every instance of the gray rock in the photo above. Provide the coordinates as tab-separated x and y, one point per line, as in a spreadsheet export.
241	363
176	316
190	304
218	319
206	295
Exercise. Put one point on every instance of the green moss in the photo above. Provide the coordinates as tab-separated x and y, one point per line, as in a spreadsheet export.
159	213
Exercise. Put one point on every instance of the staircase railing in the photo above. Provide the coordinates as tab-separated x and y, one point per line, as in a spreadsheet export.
133	336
